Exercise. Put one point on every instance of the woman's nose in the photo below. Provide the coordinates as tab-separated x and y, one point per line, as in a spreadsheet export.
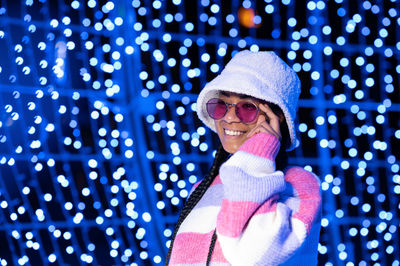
230	115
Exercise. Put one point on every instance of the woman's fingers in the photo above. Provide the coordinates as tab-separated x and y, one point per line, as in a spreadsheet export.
263	127
256	129
273	118
268	122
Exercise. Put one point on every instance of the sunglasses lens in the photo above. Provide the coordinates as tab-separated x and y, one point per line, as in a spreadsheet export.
246	111
216	108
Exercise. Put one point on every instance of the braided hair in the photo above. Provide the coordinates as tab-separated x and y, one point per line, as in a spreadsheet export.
220	157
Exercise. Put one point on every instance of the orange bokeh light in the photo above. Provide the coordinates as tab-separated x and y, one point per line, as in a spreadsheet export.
246	17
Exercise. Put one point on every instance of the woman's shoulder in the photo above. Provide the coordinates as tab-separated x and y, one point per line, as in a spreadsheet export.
297	172
294	169
304	185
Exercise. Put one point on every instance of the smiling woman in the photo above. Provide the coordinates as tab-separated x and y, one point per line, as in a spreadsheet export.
251	209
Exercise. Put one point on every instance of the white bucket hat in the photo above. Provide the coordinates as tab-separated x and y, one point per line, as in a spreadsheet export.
262	75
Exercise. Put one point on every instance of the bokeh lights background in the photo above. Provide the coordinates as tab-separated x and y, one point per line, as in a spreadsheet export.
100	145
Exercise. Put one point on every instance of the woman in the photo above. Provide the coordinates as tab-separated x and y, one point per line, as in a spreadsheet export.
251	209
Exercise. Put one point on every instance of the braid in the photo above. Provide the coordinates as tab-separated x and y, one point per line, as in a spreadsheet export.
212	245
220	157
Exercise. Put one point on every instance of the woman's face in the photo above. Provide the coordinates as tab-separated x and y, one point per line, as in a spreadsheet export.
231	131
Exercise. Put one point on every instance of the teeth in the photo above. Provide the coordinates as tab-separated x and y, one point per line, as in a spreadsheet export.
233	133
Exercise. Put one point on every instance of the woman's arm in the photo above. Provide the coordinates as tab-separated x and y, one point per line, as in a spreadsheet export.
255	225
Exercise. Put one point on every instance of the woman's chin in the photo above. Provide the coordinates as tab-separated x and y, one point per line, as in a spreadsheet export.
232	146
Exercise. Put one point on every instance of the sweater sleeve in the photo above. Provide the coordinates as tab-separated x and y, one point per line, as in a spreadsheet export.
256	224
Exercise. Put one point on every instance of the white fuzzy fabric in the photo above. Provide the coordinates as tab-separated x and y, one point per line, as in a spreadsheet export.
262	75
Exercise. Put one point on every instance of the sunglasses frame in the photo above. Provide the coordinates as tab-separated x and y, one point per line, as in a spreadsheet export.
229	105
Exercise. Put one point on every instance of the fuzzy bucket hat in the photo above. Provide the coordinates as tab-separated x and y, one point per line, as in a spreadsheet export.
262	75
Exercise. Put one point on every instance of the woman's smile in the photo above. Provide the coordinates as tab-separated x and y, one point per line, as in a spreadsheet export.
233	132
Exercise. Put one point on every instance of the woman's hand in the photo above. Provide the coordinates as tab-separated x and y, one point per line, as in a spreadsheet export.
272	127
